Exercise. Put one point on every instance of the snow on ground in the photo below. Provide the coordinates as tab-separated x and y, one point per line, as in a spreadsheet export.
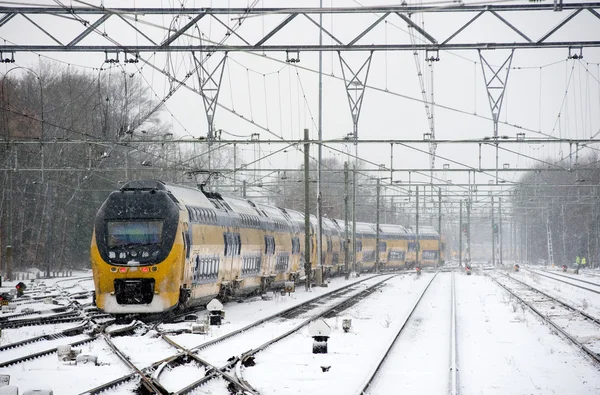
502	348
239	315
14	335
419	362
290	367
505	349
62	378
577	297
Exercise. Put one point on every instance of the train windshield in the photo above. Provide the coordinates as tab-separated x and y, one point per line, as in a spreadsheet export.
134	233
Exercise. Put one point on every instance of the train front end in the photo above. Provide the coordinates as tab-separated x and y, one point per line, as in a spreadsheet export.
137	250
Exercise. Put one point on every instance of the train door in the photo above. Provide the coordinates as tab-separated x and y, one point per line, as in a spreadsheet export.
269	253
185	235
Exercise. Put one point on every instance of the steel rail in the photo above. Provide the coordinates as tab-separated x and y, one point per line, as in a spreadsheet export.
28	357
566	282
332	309
148	383
583	347
210	367
157	365
49	336
371	376
569	277
453	343
63	318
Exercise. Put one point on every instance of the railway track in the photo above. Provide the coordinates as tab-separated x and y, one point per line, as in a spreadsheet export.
579	327
208	371
375	374
574	281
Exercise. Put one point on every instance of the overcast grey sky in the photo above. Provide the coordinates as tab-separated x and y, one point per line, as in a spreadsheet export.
283	98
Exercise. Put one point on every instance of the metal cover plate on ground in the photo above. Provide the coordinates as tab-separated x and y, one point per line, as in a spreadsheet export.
214	305
319	328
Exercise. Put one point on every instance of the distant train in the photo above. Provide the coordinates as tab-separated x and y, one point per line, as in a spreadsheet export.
157	246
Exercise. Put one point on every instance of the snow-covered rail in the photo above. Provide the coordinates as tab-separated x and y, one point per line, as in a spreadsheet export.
183	355
562	316
331	309
374	372
576	282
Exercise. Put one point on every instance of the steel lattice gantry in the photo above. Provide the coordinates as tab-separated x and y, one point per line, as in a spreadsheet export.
94	19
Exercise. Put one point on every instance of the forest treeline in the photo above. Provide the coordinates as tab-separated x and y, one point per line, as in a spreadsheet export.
69	137
564	198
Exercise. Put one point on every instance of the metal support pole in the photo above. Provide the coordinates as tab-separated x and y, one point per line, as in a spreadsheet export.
307	249
500	227
320	133
564	232
526	256
346	239
234	167
244	189
417	247
354	219
377	240
493	236
460	233
440	226
9	246
469	229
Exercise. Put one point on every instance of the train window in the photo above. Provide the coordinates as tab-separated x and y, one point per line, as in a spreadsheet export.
329	244
382	246
238	243
295	245
335	259
282	263
269	245
396	255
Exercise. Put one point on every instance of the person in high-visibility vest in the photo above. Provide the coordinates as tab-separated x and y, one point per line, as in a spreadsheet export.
577	260
583	262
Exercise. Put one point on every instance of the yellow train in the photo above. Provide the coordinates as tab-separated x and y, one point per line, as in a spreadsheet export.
157	246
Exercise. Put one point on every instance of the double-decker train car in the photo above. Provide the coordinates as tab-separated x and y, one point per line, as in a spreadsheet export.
393	246
429	243
157	246
411	248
